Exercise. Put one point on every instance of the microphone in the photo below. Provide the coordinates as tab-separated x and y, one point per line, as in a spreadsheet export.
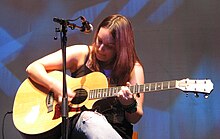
86	26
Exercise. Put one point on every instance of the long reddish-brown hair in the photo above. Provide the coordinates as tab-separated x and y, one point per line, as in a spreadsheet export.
126	56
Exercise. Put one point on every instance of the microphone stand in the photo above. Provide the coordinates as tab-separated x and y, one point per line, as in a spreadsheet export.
64	105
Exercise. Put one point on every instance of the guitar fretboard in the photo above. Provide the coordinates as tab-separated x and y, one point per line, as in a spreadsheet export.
148	87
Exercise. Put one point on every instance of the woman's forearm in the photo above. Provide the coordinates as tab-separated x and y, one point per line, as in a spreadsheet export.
37	73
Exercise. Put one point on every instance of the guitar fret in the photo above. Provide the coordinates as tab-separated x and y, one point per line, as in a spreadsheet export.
117	89
94	95
105	93
166	85
159	86
146	87
96	92
141	88
172	84
90	94
131	89
100	93
152	86
136	88
109	92
114	90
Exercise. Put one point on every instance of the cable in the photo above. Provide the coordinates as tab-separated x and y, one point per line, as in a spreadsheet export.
75	18
3	123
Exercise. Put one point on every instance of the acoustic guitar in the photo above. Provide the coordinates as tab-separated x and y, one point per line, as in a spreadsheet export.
35	111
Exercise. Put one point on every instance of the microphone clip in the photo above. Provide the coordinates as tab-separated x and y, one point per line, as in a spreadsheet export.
86	26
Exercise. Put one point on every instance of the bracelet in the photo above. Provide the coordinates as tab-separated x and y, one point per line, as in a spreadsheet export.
132	108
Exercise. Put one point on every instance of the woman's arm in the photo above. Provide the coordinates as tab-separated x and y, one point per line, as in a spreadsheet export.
38	70
126	98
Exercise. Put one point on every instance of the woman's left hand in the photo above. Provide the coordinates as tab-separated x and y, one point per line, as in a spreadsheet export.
125	96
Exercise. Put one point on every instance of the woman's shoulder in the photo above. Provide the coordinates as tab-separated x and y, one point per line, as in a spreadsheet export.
138	68
77	54
78	49
138	65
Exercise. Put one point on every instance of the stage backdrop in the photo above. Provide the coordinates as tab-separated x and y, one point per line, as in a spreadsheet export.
175	39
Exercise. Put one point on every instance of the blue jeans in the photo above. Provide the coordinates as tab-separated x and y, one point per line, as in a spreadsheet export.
93	125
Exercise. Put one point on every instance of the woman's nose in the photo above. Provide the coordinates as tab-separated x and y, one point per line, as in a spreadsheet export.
101	47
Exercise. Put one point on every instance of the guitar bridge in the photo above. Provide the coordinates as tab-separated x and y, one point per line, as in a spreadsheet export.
49	102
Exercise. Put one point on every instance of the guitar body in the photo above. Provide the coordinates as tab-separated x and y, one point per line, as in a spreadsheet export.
30	112
54	133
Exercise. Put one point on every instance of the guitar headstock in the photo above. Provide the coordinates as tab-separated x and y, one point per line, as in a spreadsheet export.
196	86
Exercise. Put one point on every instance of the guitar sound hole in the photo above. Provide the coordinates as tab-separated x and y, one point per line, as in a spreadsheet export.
80	97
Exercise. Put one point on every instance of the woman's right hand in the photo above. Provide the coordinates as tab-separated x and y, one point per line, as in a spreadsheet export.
57	89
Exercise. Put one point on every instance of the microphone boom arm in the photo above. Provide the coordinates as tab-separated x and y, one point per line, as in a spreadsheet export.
86	26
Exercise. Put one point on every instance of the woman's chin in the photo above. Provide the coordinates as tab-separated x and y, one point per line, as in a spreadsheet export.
100	58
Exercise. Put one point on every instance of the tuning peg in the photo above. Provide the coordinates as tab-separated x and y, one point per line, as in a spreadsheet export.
206	96
196	95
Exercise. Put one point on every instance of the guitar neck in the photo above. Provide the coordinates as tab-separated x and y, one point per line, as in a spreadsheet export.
148	87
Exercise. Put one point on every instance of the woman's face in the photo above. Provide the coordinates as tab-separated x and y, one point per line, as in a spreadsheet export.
105	46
